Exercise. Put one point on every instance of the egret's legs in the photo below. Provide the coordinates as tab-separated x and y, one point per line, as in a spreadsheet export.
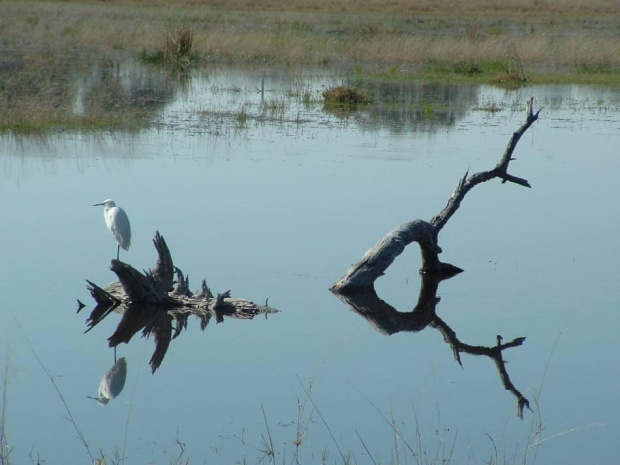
118	251
114	354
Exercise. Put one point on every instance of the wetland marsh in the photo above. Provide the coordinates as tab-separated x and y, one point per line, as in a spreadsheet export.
260	187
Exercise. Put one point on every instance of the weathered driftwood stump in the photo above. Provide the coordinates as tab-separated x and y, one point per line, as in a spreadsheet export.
151	302
375	261
356	286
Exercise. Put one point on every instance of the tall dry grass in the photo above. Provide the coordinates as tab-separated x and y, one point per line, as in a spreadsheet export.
406	40
393	6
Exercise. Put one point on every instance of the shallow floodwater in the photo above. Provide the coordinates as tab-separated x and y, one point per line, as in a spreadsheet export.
259	189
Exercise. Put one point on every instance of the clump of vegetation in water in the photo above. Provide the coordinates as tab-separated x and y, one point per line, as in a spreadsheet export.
179	44
346	95
178	49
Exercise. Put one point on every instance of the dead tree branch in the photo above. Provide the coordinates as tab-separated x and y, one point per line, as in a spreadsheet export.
356	286
500	171
375	261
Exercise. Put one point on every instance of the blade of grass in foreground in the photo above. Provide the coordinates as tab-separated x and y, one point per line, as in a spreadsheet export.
344	459
58	391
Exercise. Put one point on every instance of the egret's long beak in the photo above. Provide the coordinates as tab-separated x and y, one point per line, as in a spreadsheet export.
100	400
97	204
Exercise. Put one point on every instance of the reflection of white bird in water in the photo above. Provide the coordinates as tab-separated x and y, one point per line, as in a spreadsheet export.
112	382
117	223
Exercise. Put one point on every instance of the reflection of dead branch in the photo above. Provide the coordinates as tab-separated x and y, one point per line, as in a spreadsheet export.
106	303
376	260
494	352
149	302
161	328
387	320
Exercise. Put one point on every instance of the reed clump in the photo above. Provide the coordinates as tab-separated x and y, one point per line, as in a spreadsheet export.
178	49
346	95
179	44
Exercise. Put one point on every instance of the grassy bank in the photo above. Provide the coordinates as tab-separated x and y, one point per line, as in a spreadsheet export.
571	38
46	46
388	6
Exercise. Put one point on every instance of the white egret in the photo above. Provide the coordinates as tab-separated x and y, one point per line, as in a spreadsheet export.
117	223
112	382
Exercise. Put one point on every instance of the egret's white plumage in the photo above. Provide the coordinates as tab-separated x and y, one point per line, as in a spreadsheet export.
112	382
117	223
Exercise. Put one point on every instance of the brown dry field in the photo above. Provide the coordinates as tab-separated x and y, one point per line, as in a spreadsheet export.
406	7
549	36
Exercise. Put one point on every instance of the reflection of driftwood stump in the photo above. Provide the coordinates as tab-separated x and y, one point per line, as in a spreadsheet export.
376	260
151	302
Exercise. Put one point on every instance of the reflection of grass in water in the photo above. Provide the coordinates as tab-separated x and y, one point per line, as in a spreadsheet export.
307	99
274	106
302	94
490	106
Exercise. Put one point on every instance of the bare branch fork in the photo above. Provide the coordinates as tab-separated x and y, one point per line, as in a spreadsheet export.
494	353
375	261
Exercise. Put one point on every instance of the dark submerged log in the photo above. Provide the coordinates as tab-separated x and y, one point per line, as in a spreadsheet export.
149	302
375	261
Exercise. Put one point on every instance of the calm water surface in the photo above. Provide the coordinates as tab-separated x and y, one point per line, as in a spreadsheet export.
259	189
